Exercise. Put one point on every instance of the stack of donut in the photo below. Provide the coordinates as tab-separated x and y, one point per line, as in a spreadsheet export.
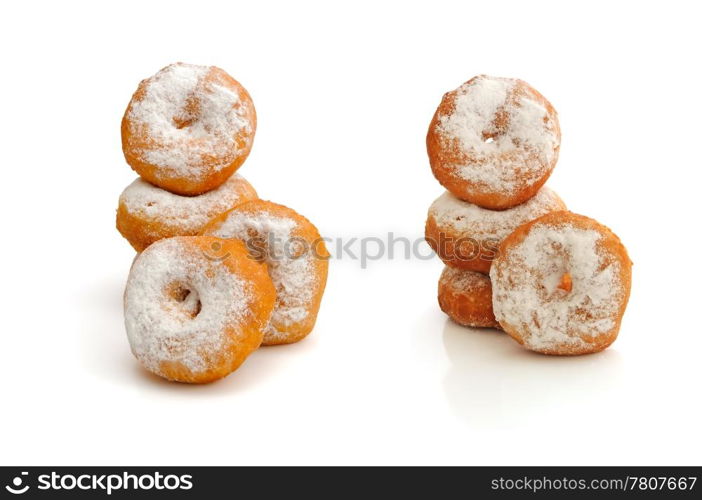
219	272
515	258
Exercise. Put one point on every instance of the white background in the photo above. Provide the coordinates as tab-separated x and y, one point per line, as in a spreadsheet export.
344	96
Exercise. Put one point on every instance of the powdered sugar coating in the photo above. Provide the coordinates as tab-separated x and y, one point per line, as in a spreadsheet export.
470	220
191	116
162	329
294	275
527	297
461	279
184	215
507	135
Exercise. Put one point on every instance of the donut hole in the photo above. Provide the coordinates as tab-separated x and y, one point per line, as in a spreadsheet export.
489	136
566	282
185	299
182	122
198	308
556	283
189	114
180	293
257	247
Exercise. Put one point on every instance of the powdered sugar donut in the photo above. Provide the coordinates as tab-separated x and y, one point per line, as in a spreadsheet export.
297	262
191	317
493	141
468	236
466	296
147	213
561	284
188	128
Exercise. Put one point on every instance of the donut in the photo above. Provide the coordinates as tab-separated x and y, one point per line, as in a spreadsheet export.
192	316
147	213
188	128
561	284
297	262
493	141
467	236
466	297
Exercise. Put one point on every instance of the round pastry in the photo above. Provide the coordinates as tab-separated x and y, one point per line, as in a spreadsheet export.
188	128
147	213
297	262
493	141
191	317
467	236
466	296
561	284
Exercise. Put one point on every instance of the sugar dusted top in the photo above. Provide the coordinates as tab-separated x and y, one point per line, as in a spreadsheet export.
462	279
187	213
471	220
189	331
293	274
527	292
507	134
189	116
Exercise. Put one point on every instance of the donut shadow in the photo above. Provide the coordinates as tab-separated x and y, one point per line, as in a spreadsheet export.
262	364
103	343
492	381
